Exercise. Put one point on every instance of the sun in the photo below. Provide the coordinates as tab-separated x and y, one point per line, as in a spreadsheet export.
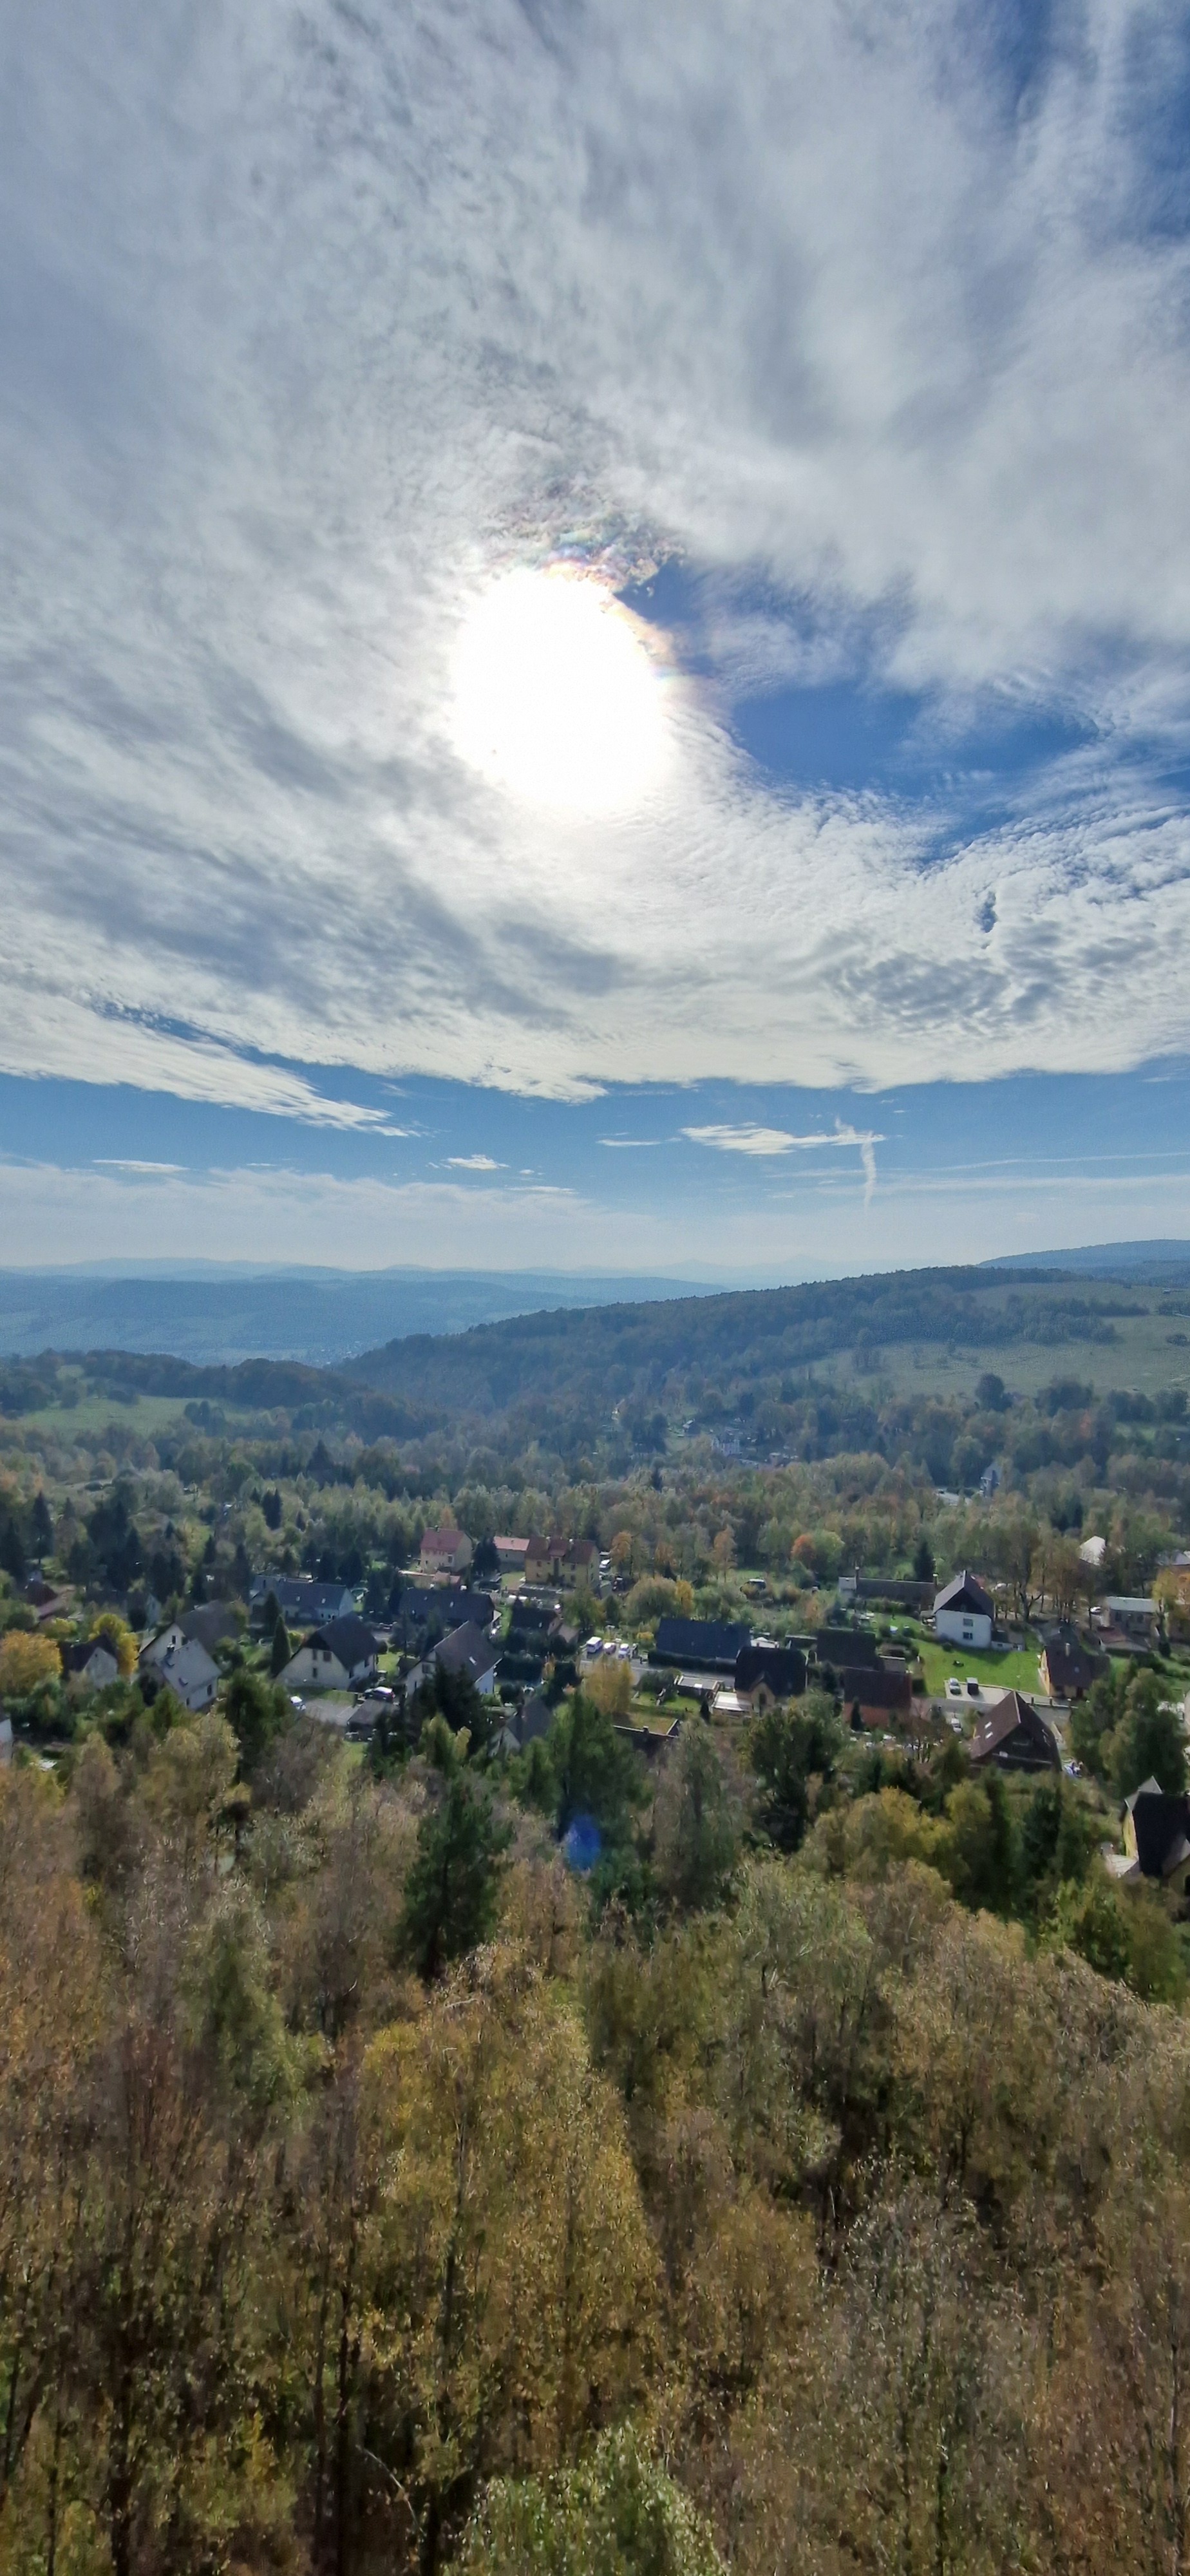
557	694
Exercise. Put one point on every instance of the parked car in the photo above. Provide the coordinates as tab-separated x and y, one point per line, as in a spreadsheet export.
593	1647
954	1687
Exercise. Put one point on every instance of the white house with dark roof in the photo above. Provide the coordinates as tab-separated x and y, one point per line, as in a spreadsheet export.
340	1656
964	1612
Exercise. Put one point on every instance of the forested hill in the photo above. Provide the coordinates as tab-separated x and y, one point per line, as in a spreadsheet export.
637	1351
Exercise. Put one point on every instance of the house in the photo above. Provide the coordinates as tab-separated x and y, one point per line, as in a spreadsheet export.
445	1551
341	1655
712	1644
766	1674
1016	1738
877	1693
1156	1839
901	1591
467	1650
534	1618
511	1554
846	1647
302	1602
424	1612
93	1665
537	1558
525	1726
1067	1666
49	1600
212	1624
584	1562
1127	1619
166	1641
182	1666
964	1612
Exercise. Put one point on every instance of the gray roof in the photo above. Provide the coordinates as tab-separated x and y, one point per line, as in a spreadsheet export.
965	1592
468	1650
299	1597
700	1641
351	1641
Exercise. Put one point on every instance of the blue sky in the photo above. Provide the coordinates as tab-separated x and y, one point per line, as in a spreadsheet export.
843	357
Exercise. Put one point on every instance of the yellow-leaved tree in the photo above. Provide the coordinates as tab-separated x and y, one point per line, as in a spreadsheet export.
119	1637
27	1660
514	2299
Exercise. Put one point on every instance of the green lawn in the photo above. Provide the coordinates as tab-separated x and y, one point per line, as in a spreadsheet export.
1014	1671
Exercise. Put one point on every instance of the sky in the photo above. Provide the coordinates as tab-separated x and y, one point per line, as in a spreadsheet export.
595	653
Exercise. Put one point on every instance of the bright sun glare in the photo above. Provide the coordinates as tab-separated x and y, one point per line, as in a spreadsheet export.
556	693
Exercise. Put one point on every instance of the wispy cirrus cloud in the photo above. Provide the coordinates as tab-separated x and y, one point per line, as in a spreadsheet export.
765	1141
473	1163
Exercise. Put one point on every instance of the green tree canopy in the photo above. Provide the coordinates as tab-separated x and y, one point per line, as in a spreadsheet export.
453	1886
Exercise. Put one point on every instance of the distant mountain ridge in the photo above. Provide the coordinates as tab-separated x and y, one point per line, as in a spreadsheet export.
1154	1262
218	1315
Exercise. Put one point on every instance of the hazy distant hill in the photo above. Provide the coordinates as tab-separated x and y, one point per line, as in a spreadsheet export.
212	1314
1156	1262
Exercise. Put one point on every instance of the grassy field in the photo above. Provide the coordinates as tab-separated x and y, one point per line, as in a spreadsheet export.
88	1419
1144	1356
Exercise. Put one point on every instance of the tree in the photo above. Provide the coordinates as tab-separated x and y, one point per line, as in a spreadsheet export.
280	1650
271	1507
485	1563
1094	1719
696	1824
923	1561
595	1770
980	1861
119	1637
26	1662
41	1527
788	1747
257	1712
609	1686
12	1554
452	1890
618	2514
1148	1743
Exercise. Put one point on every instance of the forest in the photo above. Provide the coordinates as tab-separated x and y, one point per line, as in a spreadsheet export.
377	2192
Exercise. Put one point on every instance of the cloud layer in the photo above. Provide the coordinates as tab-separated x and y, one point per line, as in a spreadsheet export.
314	322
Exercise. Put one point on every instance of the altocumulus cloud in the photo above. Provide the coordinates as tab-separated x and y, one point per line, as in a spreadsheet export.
312	323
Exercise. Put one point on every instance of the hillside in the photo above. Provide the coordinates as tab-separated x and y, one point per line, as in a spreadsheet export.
684	1350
